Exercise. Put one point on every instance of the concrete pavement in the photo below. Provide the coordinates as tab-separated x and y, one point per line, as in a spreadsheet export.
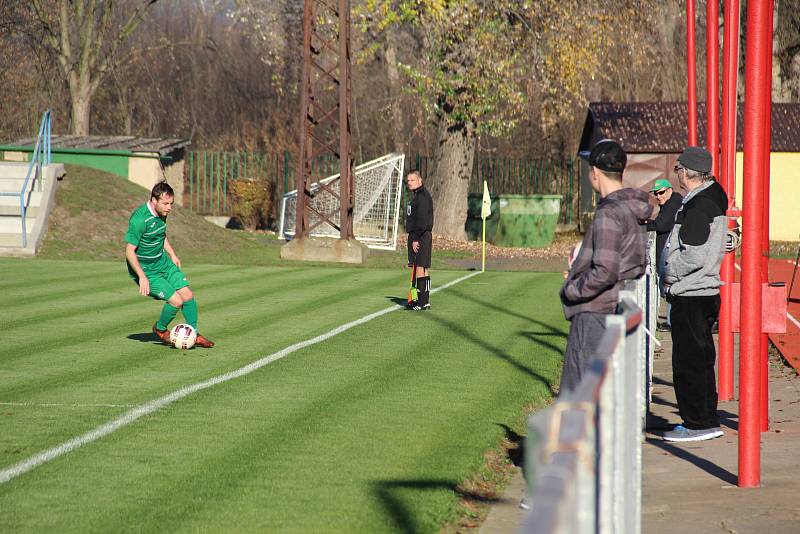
691	487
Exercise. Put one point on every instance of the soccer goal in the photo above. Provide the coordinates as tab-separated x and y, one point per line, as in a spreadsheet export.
377	204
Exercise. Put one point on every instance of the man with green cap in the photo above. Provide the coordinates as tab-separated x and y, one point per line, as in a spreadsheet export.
669	202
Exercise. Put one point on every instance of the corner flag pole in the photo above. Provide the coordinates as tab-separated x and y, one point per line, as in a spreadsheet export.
486	211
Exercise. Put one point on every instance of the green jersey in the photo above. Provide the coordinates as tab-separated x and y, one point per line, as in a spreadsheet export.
147	232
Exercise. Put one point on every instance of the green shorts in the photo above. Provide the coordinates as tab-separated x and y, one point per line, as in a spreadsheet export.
165	277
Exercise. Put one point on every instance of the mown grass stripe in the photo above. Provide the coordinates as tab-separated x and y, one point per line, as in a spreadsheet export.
48	455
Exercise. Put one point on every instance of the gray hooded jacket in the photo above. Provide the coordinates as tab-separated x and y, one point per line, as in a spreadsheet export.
696	244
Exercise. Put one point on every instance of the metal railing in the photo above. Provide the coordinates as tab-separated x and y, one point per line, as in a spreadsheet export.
583	460
39	158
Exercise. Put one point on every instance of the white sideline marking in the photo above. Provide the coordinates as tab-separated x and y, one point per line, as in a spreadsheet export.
58	405
147	408
788	315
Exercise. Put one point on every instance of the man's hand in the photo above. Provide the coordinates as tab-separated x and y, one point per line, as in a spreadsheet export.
176	260
144	286
415	246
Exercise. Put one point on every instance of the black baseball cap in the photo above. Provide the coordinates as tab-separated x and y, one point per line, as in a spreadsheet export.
607	155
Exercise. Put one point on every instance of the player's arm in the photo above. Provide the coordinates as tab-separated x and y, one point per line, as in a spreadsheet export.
133	261
171	252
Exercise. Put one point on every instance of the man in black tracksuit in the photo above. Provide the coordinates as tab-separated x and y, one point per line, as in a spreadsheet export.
419	223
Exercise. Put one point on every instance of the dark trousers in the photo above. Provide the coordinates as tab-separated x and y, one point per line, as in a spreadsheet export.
693	358
585	332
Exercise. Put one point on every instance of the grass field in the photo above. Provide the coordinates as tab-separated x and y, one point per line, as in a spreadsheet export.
371	430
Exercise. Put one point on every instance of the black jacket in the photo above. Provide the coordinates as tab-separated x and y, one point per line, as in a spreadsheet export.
419	214
663	223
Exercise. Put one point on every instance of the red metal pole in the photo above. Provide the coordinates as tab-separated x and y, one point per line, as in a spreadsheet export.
712	83
759	30
691	62
730	70
764	397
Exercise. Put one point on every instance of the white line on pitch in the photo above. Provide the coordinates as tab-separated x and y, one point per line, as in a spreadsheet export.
61	405
147	408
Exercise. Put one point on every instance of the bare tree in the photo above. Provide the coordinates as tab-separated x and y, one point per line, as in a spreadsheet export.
86	38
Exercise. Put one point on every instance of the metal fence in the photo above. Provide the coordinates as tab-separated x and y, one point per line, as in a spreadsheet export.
583	455
209	174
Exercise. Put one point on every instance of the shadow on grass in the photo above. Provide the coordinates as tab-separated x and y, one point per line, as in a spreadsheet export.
550	330
400	301
706	465
393	495
145	337
517	452
496	351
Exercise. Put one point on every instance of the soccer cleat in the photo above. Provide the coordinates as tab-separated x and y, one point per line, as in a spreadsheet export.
410	305
163	335
203	342
426	307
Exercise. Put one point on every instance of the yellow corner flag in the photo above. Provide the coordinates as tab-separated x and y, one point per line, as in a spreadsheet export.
486	211
486	207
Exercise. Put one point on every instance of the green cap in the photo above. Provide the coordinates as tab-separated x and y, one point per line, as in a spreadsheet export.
660	184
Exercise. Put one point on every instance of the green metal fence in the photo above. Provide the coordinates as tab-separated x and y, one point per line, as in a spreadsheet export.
210	173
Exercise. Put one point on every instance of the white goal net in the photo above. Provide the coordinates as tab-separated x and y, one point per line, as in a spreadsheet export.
377	204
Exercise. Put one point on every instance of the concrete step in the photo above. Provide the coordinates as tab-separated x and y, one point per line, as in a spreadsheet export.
32	199
31	212
14	185
13	170
10	240
10	224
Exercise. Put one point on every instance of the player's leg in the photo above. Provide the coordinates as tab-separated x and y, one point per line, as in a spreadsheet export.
413	295
190	311
423	276
161	289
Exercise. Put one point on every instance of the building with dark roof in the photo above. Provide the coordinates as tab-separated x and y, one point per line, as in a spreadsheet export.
655	133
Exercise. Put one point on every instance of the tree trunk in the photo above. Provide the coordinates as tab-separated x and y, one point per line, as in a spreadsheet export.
81	107
449	179
392	72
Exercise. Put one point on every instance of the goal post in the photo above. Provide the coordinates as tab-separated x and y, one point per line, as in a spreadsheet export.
376	213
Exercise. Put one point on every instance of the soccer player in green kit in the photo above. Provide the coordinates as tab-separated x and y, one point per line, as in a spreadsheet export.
158	274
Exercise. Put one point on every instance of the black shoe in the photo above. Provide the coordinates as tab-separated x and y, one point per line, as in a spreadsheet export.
410	305
663	327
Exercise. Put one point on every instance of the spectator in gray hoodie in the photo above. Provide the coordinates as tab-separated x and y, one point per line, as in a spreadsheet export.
614	249
694	254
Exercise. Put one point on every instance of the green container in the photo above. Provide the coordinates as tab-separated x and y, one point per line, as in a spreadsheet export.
516	220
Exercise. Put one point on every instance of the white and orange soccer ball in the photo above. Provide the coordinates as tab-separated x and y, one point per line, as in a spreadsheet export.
183	336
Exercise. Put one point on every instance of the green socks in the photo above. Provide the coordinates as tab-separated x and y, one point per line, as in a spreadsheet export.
190	312
168	313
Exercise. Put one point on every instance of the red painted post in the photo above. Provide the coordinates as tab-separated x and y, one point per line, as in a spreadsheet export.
712	84
730	70
691	60
764	396
759	30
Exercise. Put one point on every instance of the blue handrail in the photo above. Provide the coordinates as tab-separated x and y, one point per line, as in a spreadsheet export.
40	157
